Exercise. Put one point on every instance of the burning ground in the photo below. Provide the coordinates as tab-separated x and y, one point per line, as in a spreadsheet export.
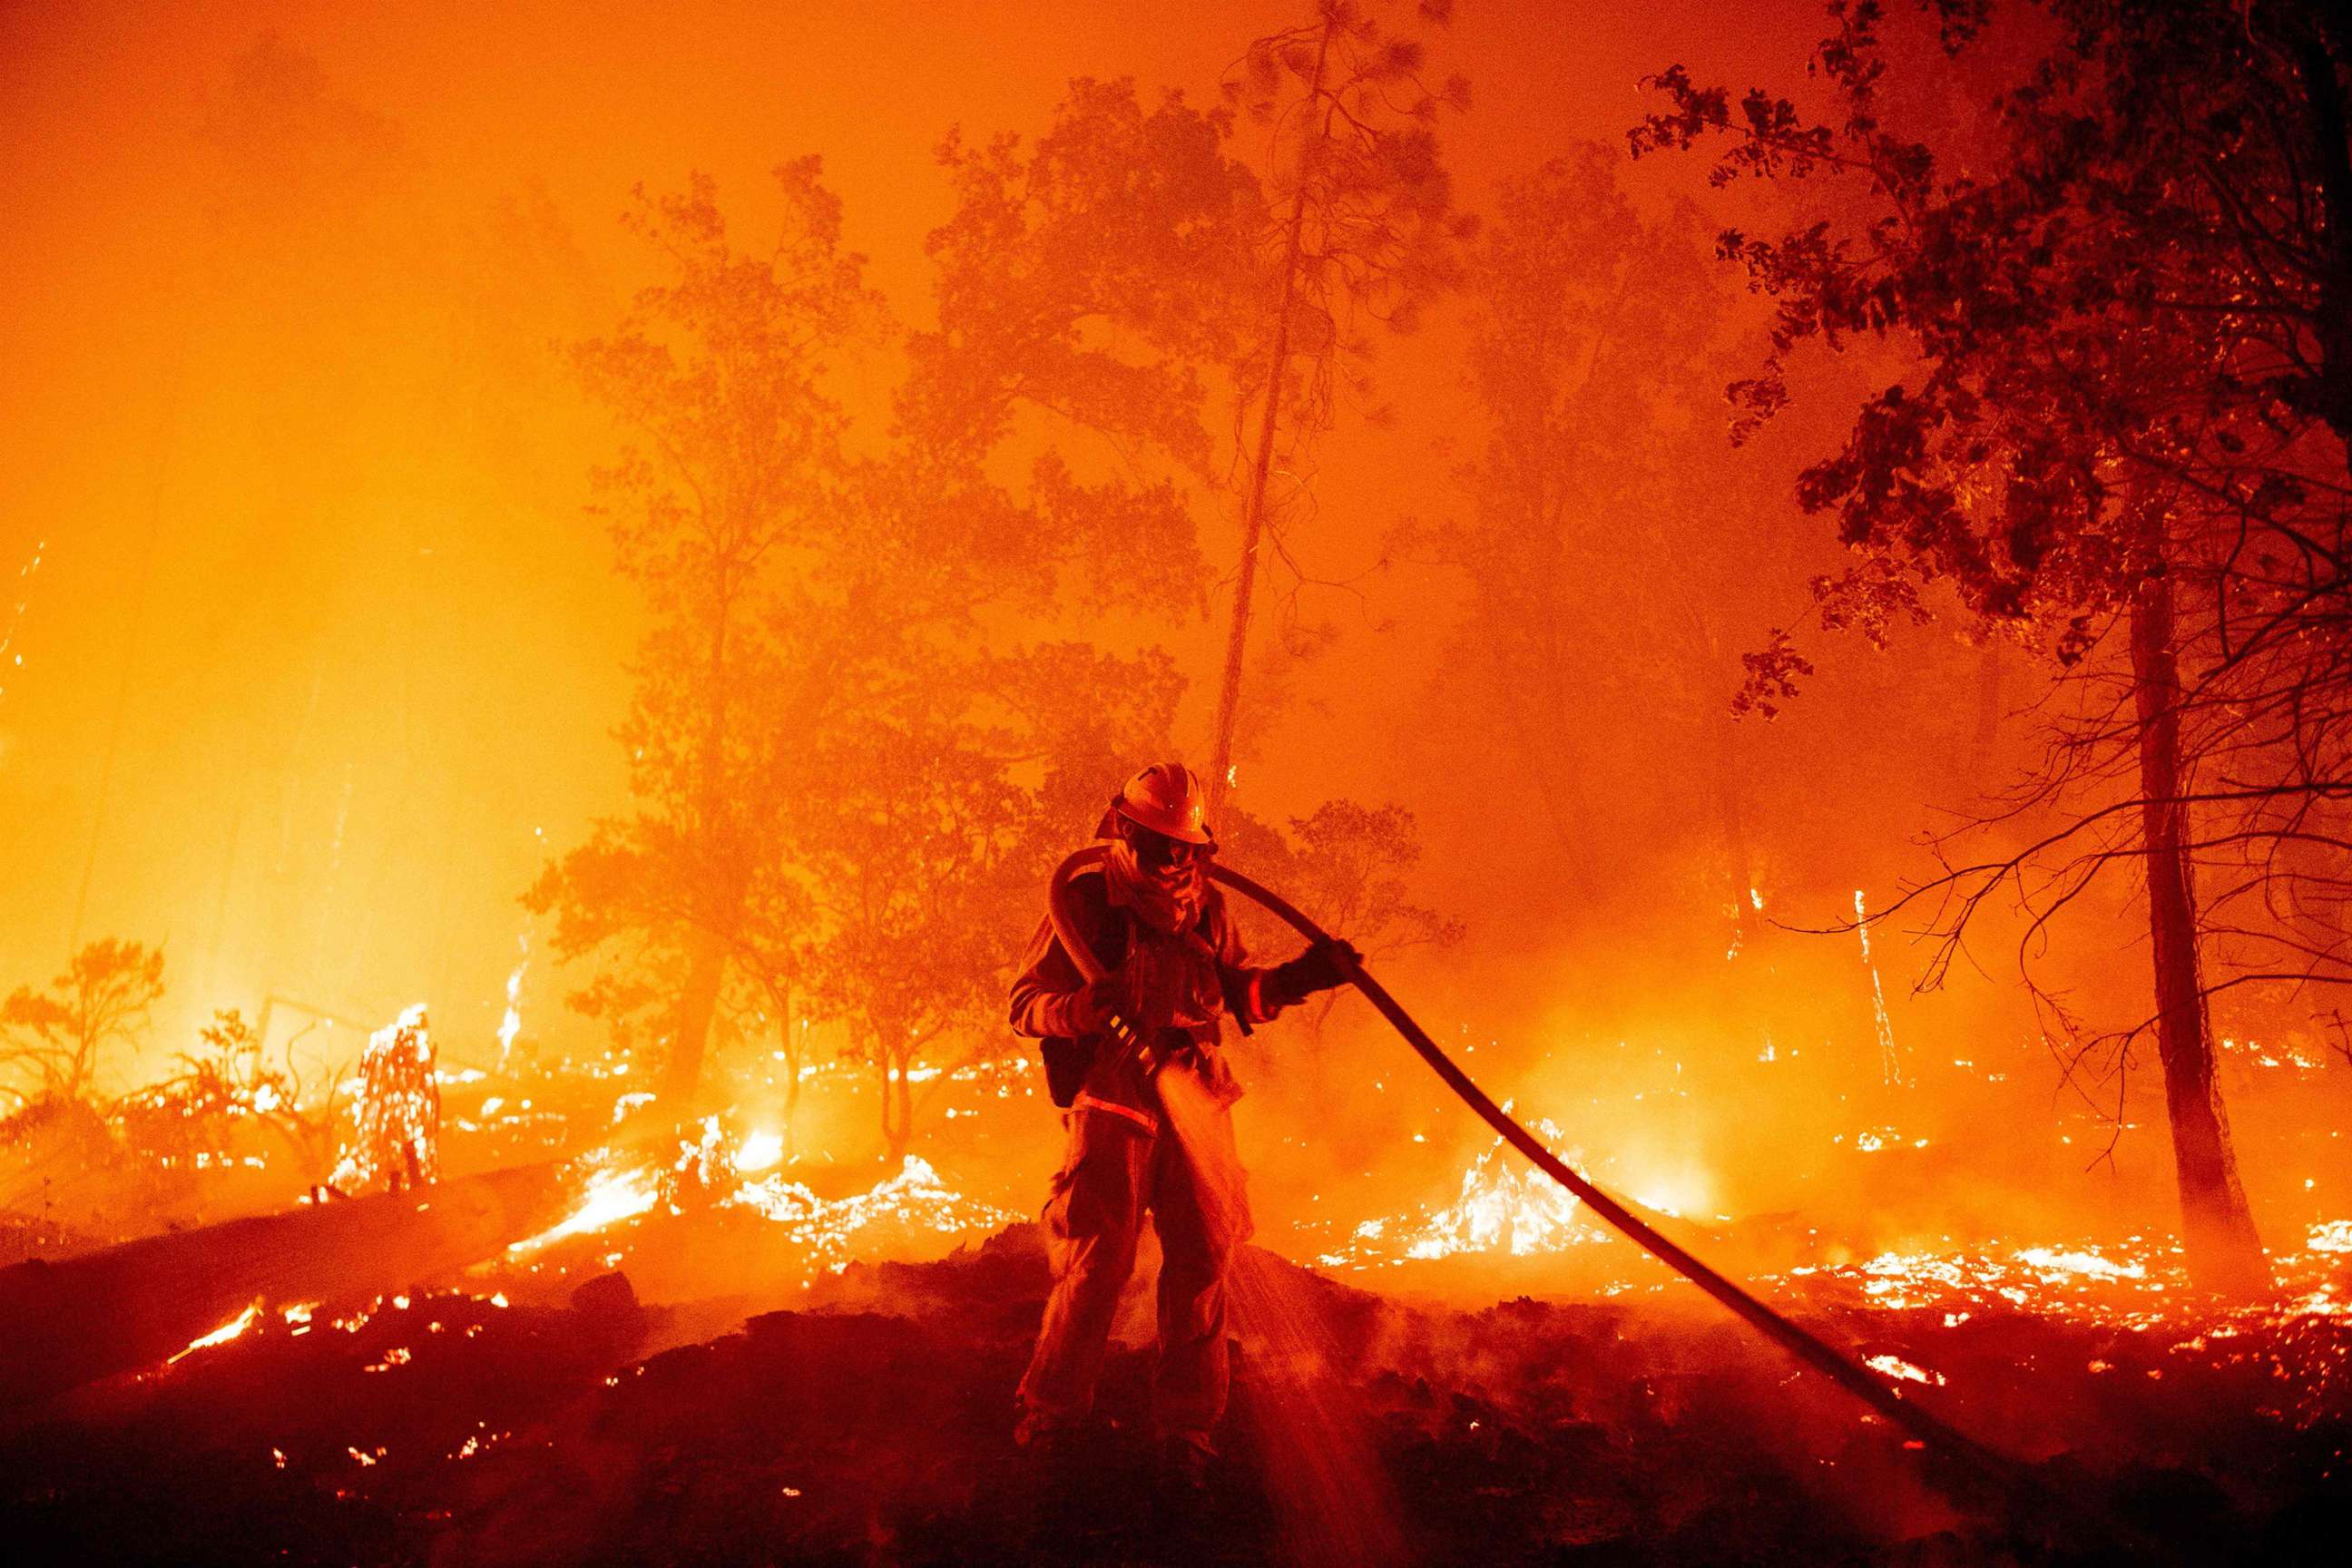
541	1407
609	1337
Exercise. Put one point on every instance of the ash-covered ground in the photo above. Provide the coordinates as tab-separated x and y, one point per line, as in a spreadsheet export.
874	1426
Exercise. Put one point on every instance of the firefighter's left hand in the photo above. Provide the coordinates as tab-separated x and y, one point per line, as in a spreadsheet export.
1323	967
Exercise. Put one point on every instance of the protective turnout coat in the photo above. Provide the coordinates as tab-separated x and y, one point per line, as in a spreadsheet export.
1179	983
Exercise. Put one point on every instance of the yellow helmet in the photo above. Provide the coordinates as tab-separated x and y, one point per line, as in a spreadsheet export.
1169	799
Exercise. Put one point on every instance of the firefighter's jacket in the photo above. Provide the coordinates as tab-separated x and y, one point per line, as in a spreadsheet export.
1179	985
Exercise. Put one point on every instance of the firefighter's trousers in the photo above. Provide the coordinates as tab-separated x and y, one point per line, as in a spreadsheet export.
1119	1164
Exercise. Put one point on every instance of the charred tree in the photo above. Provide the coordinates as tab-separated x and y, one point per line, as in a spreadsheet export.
2223	1250
1229	688
698	1004
99	1006
1370	233
1731	804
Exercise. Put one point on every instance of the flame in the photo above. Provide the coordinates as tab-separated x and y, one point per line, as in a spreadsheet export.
510	1026
915	1198
2140	1286
717	1169
398	1110
611	1195
2054	1263
1874	1139
1896	1367
2302	1336
1890	1059
1500	1208
221	1335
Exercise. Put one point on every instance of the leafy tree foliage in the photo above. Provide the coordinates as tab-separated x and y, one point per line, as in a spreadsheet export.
59	1038
1370	235
1593	519
720	377
1350	866
1091	275
855	744
2127	292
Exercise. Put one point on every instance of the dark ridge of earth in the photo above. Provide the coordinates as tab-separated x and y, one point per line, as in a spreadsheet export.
873	1426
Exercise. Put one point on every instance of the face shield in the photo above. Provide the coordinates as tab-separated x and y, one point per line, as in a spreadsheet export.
1158	857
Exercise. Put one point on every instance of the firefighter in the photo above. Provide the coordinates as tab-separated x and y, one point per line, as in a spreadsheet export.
1174	970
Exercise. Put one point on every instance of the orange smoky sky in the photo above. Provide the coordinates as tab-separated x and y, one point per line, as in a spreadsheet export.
269	588
322	655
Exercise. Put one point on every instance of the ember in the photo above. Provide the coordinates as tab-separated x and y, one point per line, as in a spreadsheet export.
398	1139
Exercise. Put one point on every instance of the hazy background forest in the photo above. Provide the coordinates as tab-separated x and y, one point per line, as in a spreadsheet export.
347	656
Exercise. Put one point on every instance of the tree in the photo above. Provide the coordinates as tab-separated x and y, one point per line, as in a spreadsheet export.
930	800
1592	533
279	1096
1084	283
1085	286
1369	235
2132	316
62	1037
909	861
1090	275
852	728
720	376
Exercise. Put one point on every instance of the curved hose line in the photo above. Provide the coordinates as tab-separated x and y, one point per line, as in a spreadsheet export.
1057	906
1082	952
1800	1342
1806	1346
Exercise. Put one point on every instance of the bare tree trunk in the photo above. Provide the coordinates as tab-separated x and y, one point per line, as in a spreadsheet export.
690	1022
707	954
1229	692
906	1134
897	1098
1731	799
2217	1228
791	1078
2316	63
1988	707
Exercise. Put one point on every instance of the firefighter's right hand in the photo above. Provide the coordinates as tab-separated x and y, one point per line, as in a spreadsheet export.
1094	1005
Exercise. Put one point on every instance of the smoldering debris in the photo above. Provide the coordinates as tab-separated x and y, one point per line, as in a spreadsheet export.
873	1426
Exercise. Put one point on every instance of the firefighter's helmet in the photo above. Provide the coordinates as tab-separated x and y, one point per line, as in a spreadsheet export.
1169	799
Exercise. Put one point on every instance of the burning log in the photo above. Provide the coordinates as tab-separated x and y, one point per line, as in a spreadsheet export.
136	1305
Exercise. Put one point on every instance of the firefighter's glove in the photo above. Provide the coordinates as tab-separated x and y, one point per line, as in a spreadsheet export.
1323	967
1093	1005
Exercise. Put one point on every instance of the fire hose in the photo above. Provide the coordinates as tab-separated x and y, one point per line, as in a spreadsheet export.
1809	1348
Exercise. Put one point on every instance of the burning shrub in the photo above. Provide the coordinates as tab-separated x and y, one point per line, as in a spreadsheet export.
399	1110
